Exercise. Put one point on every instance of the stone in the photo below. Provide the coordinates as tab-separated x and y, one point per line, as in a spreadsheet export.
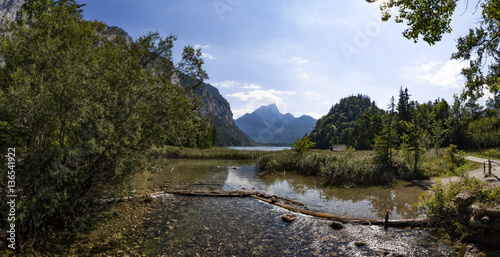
336	225
464	198
471	251
360	243
288	217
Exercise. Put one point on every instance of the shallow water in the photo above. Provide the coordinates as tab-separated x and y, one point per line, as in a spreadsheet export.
211	226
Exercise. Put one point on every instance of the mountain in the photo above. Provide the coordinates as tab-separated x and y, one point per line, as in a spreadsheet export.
267	125
354	121
218	109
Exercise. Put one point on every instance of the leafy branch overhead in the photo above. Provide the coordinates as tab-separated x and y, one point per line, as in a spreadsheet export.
430	19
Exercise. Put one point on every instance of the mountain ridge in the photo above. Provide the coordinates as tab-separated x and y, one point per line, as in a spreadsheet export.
267	125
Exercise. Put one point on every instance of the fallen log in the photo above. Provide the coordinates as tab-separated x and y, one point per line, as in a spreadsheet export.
401	223
422	222
231	193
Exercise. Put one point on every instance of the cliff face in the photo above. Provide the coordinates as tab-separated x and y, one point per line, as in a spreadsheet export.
9	9
267	125
217	107
213	103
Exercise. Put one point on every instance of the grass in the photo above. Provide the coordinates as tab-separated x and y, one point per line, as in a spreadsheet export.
493	153
335	168
210	153
438	164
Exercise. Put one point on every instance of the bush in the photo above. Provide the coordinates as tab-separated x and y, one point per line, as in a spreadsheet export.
303	145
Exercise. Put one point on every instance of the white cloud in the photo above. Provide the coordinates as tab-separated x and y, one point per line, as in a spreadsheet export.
303	74
251	86
207	55
204	54
232	84
314	115
317	98
299	60
226	84
256	98
447	76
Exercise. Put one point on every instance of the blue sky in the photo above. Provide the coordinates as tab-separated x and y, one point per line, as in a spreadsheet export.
302	55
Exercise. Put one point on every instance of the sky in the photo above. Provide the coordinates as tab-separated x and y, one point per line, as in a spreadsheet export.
304	56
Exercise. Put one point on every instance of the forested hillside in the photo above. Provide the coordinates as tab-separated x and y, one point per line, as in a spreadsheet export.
354	121
409	125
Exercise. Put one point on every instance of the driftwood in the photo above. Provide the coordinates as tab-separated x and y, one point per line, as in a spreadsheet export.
128	198
420	222
347	219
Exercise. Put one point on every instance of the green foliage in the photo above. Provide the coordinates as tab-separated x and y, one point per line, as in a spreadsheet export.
211	153
432	18
303	145
334	168
82	105
444	213
386	141
485	132
354	121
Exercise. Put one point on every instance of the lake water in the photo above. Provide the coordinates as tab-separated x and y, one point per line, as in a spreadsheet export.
260	148
211	226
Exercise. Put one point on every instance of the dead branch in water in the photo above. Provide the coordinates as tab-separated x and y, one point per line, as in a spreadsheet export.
419	222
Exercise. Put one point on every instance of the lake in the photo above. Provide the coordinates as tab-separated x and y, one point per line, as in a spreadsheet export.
212	226
260	148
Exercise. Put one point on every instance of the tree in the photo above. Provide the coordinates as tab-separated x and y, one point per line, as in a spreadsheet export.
386	141
82	106
404	105
485	132
430	19
302	145
415	141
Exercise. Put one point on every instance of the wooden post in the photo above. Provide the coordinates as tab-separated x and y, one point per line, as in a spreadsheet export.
484	167
386	222
489	168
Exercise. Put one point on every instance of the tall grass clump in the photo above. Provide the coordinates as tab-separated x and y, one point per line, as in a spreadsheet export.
334	168
209	153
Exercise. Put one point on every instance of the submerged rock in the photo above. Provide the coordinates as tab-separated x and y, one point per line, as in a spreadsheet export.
336	225
288	217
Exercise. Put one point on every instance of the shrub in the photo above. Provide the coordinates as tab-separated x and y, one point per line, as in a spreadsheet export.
303	145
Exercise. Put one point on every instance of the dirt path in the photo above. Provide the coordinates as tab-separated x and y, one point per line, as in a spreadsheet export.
479	173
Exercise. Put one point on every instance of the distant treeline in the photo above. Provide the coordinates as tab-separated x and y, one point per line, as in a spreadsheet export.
356	121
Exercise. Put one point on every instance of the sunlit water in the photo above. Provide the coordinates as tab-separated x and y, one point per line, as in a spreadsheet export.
211	226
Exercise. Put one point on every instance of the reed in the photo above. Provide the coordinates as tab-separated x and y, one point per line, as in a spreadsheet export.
210	153
358	168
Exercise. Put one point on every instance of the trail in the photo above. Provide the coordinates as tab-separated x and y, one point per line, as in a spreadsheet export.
479	173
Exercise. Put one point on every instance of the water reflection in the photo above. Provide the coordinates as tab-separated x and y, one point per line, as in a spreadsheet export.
215	226
367	202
